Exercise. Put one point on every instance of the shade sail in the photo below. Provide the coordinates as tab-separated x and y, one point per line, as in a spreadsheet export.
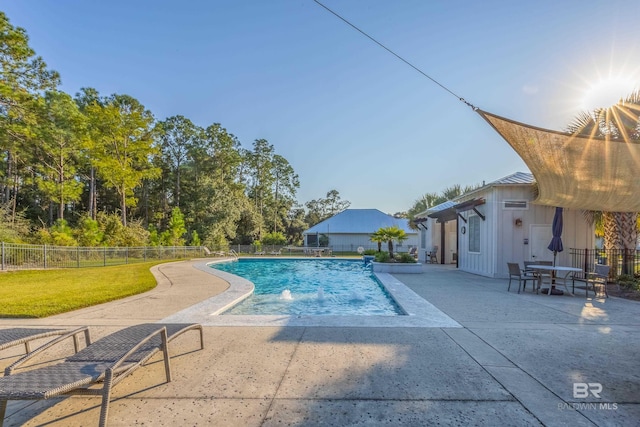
575	171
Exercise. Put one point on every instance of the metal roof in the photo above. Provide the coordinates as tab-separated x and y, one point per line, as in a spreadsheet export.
442	206
359	221
436	208
515	178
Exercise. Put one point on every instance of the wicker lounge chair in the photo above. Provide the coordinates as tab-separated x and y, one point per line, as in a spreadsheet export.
95	369
17	336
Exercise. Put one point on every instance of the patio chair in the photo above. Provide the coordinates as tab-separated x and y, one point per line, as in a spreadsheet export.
433	255
94	370
17	336
598	277
516	272
539	275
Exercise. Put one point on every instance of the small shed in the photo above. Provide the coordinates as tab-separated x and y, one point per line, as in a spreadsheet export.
497	223
352	228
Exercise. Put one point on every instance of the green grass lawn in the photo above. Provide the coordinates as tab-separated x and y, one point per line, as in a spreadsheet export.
42	293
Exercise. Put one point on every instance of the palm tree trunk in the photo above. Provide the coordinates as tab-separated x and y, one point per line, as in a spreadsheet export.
621	233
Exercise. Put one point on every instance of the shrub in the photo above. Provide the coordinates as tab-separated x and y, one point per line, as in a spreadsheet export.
276	238
628	281
195	239
14	228
62	234
175	230
382	257
370	252
88	232
405	257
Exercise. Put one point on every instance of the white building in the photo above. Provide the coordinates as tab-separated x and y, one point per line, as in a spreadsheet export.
353	228
497	223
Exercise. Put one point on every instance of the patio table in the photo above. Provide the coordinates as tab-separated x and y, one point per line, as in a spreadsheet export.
554	269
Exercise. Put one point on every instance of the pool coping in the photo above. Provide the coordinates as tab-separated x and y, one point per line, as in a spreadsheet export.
420	312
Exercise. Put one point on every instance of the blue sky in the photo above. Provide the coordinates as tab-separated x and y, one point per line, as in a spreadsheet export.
344	112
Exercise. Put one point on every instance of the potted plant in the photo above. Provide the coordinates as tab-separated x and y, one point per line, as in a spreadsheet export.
388	262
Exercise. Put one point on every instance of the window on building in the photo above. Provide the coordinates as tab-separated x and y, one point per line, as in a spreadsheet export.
312	239
474	233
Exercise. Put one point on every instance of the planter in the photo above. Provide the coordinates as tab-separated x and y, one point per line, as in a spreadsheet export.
368	258
397	267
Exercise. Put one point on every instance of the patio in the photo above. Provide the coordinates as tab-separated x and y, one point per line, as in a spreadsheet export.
515	362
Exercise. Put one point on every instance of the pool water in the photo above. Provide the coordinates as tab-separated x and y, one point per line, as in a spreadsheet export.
310	287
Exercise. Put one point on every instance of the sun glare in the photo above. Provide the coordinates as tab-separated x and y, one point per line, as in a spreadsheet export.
607	92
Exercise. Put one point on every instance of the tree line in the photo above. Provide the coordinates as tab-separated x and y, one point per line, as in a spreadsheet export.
93	169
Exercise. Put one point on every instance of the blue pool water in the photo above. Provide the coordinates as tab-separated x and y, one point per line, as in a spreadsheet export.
310	287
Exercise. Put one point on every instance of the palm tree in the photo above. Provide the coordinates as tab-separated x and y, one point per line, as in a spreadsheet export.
619	122
391	234
378	237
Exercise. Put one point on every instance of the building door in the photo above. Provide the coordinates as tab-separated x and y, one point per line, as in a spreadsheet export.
540	237
452	243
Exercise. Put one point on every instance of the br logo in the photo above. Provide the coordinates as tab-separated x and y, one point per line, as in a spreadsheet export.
582	390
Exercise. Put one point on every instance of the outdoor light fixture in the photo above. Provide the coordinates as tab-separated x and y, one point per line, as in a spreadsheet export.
518	222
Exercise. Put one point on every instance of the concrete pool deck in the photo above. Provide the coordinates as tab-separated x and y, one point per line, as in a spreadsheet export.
518	359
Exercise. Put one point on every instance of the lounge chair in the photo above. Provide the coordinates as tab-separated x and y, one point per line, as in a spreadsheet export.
17	336
103	363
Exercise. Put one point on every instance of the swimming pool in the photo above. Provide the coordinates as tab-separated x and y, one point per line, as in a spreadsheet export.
310	287
418	312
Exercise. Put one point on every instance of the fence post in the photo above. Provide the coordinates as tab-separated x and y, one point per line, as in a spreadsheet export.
144	253
3	260
78	255
45	256
126	255
586	262
104	257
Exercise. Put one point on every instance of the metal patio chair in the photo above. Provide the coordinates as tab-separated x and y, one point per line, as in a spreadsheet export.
541	276
598	277
94	370
433	255
516	272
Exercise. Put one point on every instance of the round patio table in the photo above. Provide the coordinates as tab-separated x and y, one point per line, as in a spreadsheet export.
554	269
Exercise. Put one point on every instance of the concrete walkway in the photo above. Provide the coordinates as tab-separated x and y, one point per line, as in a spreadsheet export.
519	359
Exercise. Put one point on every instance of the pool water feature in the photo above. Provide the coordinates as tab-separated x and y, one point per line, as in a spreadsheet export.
310	287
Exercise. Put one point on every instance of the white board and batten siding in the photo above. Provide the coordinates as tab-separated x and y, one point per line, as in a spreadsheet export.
504	239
